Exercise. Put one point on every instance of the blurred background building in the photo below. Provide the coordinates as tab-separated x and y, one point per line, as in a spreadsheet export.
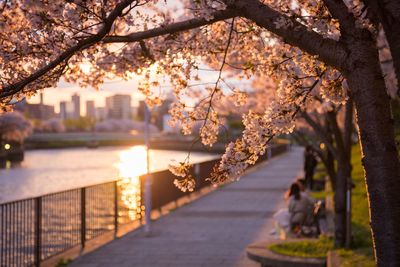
119	107
90	109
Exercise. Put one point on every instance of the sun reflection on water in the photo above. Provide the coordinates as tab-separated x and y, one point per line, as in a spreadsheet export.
132	163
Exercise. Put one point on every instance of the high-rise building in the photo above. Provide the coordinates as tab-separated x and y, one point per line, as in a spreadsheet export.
141	110
63	110
101	113
76	100
39	111
36	111
90	109
67	110
134	112
161	112
119	107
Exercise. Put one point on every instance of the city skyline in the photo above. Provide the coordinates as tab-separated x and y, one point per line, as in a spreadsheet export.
64	90
117	106
53	96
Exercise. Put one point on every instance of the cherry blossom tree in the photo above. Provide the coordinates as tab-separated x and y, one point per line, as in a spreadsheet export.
302	44
320	122
14	127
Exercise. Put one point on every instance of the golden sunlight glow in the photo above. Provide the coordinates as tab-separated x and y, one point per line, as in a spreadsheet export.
141	73
85	67
132	164
7	146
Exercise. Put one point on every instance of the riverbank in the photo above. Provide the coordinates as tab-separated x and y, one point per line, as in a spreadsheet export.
82	139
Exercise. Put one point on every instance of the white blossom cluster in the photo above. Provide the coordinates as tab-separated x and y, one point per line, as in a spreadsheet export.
14	127
332	89
186	184
187	181
259	130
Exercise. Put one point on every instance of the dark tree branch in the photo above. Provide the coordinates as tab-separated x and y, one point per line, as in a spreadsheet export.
332	120
329	51
348	127
339	11
146	51
172	28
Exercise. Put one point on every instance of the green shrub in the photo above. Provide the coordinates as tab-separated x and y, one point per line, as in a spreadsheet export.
317	248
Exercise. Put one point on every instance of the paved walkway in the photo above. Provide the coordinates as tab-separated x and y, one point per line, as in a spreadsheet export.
211	231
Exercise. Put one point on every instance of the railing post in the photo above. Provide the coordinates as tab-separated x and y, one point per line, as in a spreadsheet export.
197	177
83	217
147	203
115	209
38	230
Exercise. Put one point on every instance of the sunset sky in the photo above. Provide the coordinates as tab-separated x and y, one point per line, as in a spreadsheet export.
52	96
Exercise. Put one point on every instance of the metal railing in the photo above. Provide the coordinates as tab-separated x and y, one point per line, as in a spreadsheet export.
36	229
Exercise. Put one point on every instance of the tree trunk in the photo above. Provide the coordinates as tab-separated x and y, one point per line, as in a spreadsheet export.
380	156
343	173
330	168
330	158
343	144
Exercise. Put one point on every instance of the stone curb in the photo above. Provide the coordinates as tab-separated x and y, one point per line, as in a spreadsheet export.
259	252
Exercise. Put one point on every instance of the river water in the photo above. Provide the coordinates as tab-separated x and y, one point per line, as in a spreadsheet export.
47	171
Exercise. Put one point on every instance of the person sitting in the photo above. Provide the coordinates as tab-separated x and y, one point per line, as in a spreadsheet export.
283	217
282	223
301	181
300	208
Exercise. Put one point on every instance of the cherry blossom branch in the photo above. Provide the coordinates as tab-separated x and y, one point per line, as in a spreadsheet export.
240	154
172	28
219	72
3	6
68	53
14	88
196	140
294	33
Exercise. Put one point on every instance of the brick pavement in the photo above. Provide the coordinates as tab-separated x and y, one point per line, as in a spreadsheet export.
211	231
